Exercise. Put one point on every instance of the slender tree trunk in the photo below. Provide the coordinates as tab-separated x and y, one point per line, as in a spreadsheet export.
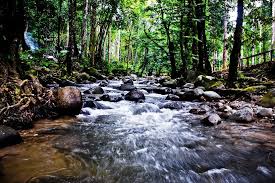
109	44
72	46
59	20
145	61
183	45
235	54
194	34
204	64
93	32
273	24
84	28
224	55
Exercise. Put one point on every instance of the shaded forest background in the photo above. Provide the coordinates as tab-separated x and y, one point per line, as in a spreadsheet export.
175	37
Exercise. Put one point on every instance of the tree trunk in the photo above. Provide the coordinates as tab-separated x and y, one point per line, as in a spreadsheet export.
183	45
84	28
12	27
224	55
109	44
204	64
72	46
93	32
235	54
145	61
273	24
58	47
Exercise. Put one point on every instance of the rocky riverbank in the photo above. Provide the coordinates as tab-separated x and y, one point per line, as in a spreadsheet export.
27	101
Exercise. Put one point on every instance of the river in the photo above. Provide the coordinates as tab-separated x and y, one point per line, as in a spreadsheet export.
131	142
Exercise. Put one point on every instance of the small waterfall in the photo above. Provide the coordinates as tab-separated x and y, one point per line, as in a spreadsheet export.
30	41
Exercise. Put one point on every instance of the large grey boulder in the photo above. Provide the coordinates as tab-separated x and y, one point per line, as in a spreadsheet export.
211	95
8	136
135	95
265	112
69	100
127	87
245	115
212	120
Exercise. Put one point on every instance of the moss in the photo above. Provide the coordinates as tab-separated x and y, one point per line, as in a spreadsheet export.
268	101
216	84
255	88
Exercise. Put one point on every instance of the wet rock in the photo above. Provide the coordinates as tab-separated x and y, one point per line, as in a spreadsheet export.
135	95
189	85
172	97
145	108
188	95
64	83
69	100
128	82
111	98
268	99
198	91
198	111
90	104
162	90
171	83
127	87
8	136
172	105
212	120
245	115
103	83
211	95
99	105
265	112
98	90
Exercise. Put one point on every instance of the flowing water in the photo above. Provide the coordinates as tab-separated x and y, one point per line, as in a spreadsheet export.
129	142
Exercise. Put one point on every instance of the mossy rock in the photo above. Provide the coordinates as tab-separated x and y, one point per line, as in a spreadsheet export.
95	73
268	99
82	77
209	82
254	89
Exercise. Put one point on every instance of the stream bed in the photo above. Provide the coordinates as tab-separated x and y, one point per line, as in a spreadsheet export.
131	142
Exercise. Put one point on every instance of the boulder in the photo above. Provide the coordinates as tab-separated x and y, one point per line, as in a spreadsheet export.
188	95
268	100
265	112
89	103
111	98
103	83
135	95
171	83
98	90
189	85
93	72
9	136
172	105
162	90
245	115
127	87
197	111
172	97
69	100
82	77
198	91
209	82
211	95
212	120
128	81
